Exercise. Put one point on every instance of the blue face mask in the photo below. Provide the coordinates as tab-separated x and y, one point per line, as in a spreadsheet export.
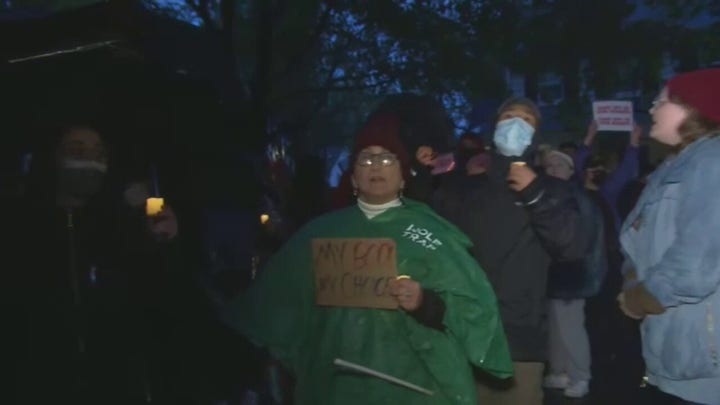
512	136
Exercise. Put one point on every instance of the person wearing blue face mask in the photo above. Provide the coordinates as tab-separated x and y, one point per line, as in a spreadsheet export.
519	222
513	136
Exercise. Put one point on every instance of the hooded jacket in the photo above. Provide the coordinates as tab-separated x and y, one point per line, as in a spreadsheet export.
515	238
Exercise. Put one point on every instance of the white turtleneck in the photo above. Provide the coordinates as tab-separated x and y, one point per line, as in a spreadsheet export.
373	210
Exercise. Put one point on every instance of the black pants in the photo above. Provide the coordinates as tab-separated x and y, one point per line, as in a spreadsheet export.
615	343
653	396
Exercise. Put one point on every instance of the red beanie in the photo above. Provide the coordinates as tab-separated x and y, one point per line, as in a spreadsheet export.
382	129
699	89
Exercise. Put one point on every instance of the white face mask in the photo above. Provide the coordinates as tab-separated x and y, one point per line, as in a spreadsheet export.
513	136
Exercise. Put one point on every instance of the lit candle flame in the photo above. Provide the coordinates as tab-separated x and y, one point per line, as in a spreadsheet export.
154	206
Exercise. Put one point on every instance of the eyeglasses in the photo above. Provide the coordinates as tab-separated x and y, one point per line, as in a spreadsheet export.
657	103
383	159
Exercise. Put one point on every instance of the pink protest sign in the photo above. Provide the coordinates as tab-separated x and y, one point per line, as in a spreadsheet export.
613	115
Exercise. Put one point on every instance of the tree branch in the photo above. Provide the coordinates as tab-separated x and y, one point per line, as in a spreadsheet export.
330	89
322	101
201	8
298	57
227	16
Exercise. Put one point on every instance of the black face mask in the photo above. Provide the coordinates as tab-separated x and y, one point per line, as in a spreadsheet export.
463	155
599	177
81	179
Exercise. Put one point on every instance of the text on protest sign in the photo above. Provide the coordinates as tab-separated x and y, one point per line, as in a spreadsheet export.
613	115
354	272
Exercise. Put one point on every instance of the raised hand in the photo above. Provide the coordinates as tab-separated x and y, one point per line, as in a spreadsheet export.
590	134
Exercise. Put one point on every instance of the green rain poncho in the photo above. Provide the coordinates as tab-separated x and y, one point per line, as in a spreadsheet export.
279	312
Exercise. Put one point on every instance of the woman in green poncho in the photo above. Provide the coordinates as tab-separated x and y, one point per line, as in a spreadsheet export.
426	326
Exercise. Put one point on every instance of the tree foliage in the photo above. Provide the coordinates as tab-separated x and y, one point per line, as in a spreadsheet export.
684	11
46	5
301	62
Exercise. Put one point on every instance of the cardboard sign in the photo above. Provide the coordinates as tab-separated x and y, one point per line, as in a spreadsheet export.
613	115
354	272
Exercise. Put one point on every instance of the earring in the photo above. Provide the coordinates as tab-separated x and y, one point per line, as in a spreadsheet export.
400	194
355	191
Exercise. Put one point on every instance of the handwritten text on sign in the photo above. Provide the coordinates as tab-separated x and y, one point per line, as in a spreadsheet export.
354	272
613	115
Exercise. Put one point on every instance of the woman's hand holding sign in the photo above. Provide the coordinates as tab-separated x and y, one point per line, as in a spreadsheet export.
407	292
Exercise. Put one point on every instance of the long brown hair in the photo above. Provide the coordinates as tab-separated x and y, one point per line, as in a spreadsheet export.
695	125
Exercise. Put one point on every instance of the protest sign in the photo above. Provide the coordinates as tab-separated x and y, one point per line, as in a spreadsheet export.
354	272
613	115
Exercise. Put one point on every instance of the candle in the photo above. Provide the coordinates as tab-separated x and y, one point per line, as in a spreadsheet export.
154	206
154	180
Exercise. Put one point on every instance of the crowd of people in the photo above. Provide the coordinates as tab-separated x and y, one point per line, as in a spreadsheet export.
516	269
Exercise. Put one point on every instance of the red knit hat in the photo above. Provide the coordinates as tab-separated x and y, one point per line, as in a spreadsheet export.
700	89
382	129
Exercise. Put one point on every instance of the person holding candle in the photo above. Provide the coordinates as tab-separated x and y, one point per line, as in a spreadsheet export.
91	267
446	318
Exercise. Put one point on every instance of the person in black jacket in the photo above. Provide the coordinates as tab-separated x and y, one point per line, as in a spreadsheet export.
570	283
519	222
103	288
